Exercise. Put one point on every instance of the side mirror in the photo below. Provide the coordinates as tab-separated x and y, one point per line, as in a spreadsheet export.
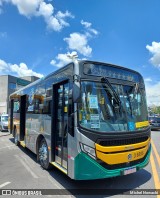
76	92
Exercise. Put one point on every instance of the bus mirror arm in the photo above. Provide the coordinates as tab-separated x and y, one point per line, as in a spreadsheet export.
72	114
71	125
76	92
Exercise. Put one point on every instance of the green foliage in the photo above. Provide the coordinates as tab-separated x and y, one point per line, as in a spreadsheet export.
155	110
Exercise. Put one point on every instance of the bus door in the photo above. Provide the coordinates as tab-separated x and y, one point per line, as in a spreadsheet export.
22	117
60	116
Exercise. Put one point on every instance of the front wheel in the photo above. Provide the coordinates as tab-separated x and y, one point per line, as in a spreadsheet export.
43	155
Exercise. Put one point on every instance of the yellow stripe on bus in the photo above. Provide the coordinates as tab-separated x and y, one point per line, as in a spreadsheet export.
124	157
59	167
22	144
142	124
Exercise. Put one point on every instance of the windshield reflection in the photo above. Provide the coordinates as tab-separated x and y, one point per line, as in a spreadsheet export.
105	111
4	118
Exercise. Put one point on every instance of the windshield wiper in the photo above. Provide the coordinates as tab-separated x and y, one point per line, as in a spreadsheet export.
104	79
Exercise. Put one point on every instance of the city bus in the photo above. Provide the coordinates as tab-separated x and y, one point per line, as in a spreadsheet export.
89	119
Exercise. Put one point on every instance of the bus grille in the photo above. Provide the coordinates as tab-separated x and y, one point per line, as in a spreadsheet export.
120	142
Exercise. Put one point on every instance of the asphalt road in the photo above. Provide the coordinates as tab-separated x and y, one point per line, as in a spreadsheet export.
19	170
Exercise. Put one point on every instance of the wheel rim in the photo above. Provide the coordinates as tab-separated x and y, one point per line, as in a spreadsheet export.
43	154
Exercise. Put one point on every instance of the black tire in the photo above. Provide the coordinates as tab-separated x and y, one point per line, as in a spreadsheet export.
43	155
16	138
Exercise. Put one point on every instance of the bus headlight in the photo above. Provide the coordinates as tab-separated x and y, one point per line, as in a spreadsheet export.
89	150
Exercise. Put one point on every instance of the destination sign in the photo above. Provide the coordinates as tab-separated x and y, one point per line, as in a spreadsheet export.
110	72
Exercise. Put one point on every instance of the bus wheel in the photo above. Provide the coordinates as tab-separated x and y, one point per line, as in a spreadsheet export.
16	139
44	155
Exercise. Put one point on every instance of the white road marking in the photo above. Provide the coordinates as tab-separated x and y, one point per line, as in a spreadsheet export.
6	147
27	161
5	184
26	166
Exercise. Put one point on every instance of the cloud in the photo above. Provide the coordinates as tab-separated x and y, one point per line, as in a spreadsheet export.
37	8
79	42
27	7
154	49
57	22
45	10
4	67
19	70
88	25
63	59
61	17
76	41
153	94
148	80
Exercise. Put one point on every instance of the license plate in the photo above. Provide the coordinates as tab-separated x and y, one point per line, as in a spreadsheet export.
129	171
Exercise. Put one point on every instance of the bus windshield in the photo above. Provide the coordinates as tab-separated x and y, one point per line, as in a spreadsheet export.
117	108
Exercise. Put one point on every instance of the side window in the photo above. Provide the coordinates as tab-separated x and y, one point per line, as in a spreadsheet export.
30	104
47	107
41	105
16	106
39	98
38	103
47	103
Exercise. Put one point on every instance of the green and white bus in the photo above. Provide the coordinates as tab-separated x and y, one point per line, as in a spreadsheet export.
89	119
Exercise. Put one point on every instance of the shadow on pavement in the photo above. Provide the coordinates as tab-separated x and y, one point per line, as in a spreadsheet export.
102	187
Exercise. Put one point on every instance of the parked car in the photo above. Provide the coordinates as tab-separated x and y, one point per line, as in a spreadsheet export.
154	122
4	122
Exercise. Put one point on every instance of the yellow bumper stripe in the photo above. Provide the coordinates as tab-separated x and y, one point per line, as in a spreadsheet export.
142	124
119	158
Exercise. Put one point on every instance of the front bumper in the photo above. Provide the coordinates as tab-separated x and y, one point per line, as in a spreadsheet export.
87	168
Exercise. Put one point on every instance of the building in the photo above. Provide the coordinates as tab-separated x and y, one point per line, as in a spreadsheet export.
9	84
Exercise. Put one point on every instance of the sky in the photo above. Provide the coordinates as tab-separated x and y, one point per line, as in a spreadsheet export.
36	36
